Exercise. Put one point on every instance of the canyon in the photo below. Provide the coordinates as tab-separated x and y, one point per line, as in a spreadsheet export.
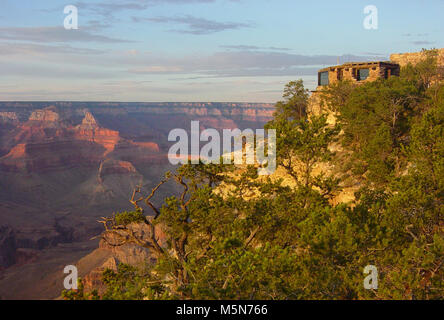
63	165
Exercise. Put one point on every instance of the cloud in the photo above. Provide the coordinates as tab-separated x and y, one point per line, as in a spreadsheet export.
53	34
415	34
60	72
109	8
248	47
157	69
194	25
375	54
96	25
423	43
30	49
241	63
253	72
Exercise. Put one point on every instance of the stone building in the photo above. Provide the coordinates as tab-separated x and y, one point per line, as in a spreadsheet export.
362	72
359	72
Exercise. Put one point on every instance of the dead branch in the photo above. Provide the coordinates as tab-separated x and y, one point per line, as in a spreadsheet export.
251	237
407	228
148	199
134	202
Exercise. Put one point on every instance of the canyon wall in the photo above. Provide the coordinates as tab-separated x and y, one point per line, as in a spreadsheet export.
63	165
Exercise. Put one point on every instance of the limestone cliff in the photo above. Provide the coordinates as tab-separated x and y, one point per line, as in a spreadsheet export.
414	57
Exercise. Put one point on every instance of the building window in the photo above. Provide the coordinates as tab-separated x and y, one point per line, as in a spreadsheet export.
363	74
323	78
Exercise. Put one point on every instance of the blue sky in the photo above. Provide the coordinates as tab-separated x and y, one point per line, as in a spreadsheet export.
196	50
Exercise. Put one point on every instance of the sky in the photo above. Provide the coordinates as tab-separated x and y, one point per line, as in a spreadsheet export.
197	50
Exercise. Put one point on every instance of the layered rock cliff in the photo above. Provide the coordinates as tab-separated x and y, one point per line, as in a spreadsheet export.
65	164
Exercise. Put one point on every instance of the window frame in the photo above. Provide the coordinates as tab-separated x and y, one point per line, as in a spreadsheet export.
320	78
359	78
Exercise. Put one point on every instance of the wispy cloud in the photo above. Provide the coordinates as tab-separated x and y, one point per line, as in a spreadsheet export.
249	47
30	70
156	69
423	43
415	34
53	34
31	49
195	25
374	54
110	8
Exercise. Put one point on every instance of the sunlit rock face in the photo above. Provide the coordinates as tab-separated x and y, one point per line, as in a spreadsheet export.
404	59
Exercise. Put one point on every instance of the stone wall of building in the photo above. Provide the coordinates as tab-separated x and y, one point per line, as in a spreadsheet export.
351	74
350	71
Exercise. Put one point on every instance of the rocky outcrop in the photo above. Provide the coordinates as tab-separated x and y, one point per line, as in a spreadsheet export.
90	130
404	59
8	117
89	122
151	146
116	167
46	142
46	115
109	256
19	151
